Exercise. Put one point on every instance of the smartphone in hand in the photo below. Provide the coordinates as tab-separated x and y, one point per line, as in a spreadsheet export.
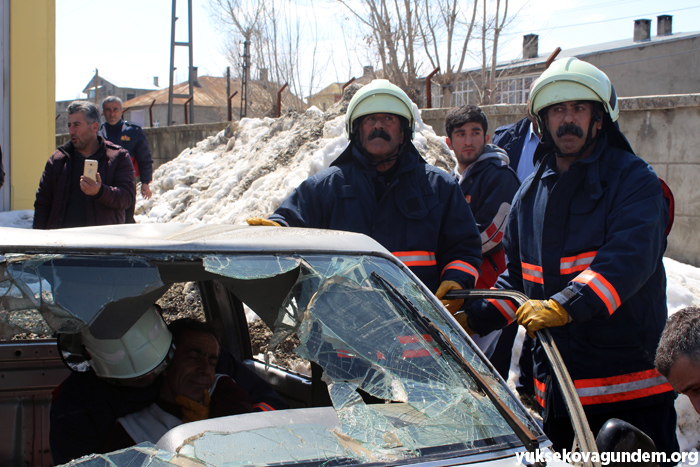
90	169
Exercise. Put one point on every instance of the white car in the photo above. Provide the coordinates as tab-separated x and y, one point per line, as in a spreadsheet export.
394	380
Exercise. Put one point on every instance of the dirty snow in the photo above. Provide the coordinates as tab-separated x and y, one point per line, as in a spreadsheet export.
250	168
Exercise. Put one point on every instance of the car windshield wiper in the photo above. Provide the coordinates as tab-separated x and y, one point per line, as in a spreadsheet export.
523	433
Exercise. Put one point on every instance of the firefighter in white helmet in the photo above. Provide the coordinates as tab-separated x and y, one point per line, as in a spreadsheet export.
382	187
585	241
148	380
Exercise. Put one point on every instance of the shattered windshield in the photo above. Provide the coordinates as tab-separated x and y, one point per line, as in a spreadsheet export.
398	392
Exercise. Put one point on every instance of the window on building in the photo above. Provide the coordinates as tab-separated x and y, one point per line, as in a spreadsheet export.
130	95
513	90
462	94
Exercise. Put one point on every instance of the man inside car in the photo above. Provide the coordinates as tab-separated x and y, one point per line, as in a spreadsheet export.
191	389
87	405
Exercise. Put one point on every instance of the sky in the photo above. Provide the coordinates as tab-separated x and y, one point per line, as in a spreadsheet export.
131	40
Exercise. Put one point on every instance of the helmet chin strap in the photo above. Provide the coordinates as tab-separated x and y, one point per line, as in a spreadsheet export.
382	161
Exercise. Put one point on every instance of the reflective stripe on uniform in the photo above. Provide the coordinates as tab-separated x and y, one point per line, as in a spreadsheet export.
602	288
340	353
464	267
540	391
505	307
416	258
533	273
621	388
577	263
493	234
263	406
417	346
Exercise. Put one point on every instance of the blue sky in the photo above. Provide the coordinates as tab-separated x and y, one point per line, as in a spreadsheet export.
129	41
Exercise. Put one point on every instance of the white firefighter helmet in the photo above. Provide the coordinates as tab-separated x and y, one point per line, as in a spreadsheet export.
142	351
571	79
379	96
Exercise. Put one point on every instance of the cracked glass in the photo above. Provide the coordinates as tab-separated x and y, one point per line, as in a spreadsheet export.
59	294
397	391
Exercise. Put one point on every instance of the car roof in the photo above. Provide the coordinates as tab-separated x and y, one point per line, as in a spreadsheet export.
186	238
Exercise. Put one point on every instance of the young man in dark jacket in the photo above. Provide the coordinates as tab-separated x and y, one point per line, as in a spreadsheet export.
132	138
487	181
66	197
488	184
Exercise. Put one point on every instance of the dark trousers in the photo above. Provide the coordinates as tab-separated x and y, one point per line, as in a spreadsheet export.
659	422
129	214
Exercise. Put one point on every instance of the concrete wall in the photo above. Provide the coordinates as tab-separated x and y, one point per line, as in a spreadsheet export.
202	114
663	131
167	143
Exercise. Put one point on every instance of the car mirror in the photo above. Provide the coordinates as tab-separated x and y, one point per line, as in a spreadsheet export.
619	436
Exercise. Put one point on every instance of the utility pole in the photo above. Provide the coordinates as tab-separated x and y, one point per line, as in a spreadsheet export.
97	85
189	45
244	78
228	81
228	91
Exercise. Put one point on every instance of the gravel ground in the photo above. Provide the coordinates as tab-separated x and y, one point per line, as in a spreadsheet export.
183	300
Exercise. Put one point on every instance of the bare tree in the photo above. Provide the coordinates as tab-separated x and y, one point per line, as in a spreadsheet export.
441	21
277	30
244	16
393	35
409	35
290	27
493	23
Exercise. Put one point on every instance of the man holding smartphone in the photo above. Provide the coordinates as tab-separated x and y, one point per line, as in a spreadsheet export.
71	192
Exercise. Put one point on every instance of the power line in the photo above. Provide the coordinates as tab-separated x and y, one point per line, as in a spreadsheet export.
609	20
586	7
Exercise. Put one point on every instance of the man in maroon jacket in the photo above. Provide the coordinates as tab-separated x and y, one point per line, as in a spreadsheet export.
66	197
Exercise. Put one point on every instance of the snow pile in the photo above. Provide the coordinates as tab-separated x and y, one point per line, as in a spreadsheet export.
22	219
683	288
226	180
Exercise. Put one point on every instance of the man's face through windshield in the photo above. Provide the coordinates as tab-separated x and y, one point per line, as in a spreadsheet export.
192	370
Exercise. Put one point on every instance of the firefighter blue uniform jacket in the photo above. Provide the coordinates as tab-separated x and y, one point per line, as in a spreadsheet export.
592	238
422	217
489	185
133	139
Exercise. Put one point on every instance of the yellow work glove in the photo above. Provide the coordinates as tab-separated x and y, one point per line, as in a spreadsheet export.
193	411
535	315
452	306
261	221
461	318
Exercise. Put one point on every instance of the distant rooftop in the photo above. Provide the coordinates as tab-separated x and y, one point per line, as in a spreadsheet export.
137	82
579	52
